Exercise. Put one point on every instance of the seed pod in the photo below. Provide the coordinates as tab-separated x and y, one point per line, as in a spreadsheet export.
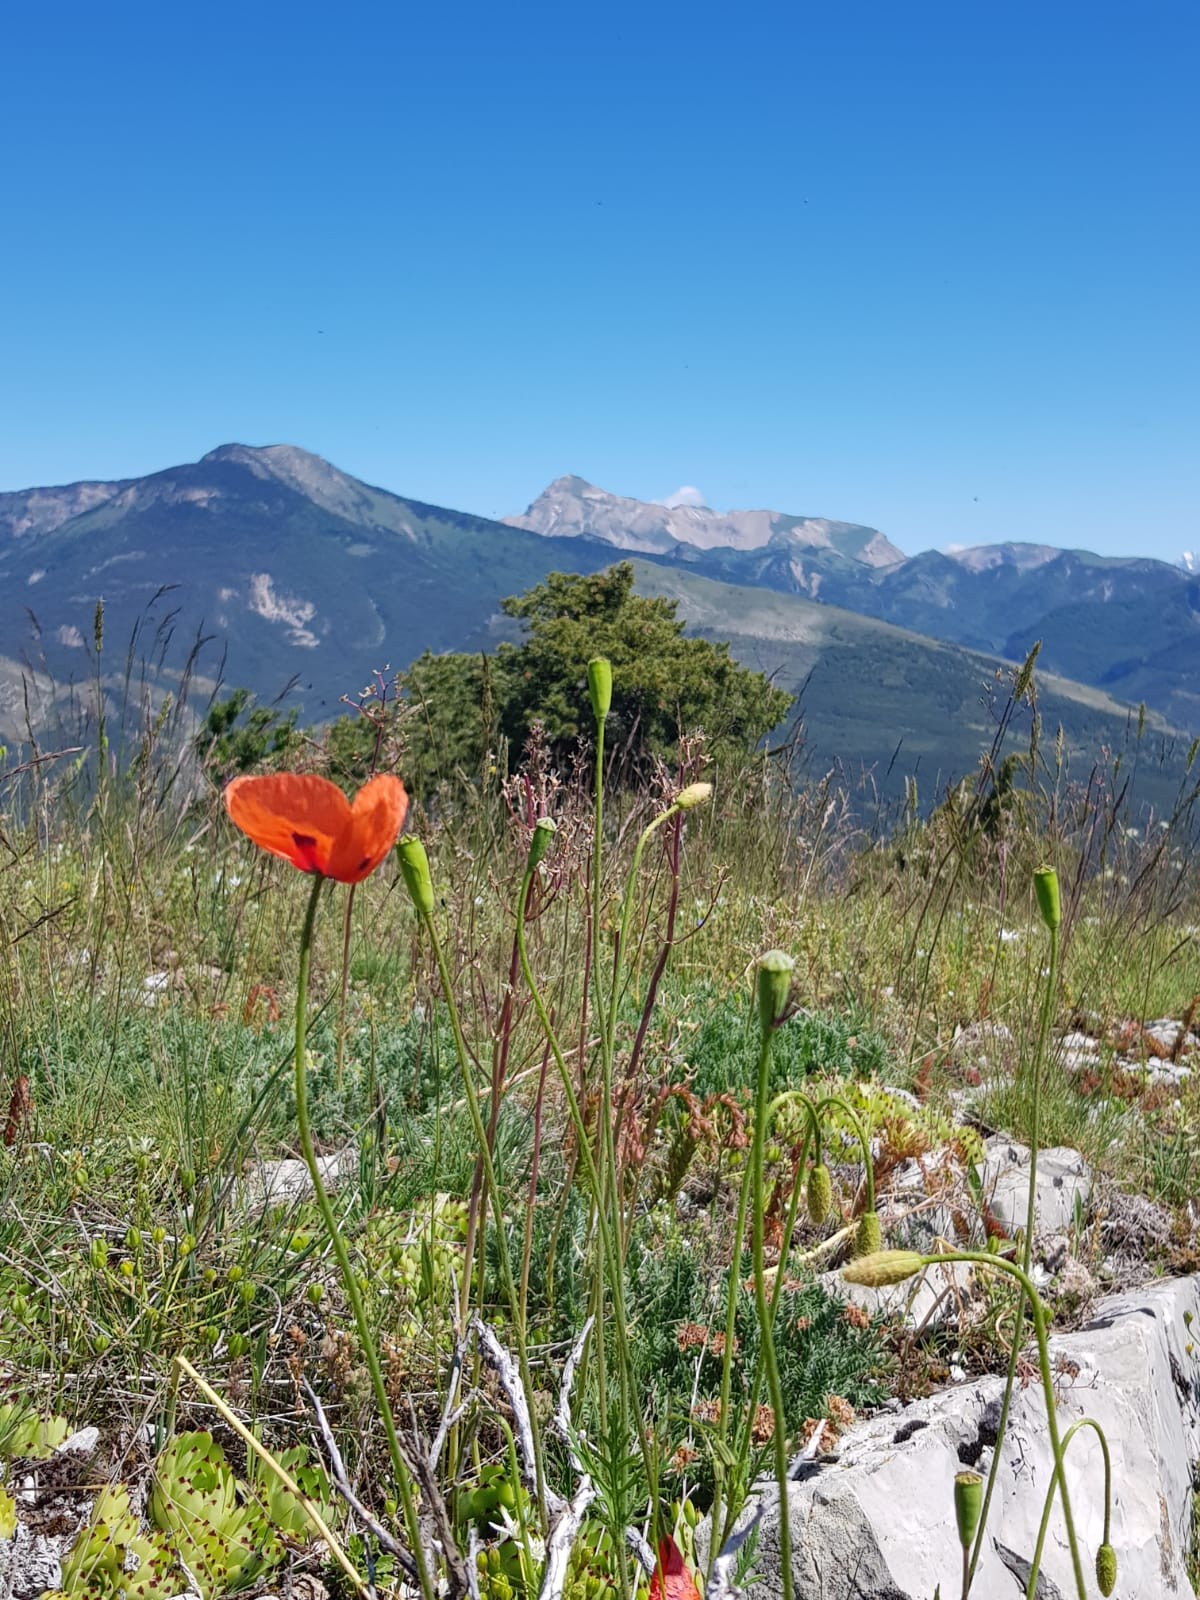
1106	1569
968	1503
868	1240
1045	886
414	864
600	686
820	1194
773	985
882	1268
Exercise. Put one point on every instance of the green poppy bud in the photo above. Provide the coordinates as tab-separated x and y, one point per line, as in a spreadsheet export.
1106	1569
694	795
1045	886
600	686
869	1237
968	1503
133	1240
883	1268
314	1293
820	1194
542	838
98	1252
414	864
773	985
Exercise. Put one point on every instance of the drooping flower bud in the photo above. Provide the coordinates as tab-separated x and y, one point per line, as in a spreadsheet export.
868	1238
414	864
883	1268
1045	886
968	1503
773	985
1106	1569
820	1194
540	841
600	686
694	795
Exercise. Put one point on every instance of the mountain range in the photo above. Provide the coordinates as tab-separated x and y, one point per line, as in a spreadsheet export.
299	574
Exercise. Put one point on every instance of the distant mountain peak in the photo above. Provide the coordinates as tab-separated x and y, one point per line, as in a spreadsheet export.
306	474
571	507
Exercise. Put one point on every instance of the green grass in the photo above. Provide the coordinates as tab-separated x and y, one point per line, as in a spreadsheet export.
124	1237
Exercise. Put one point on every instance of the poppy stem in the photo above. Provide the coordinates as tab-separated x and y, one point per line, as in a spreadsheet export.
1045	1020
766	1320
342	1255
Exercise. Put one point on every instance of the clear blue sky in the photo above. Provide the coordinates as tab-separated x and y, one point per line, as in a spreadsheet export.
926	264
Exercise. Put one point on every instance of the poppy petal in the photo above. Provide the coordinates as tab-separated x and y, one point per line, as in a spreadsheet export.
672	1580
376	818
296	816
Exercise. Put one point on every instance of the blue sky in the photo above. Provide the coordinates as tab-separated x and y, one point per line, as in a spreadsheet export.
930	266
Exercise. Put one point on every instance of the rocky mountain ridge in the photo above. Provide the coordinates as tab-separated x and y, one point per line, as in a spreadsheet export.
301	578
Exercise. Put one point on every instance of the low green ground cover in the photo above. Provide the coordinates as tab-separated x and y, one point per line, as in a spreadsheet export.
147	997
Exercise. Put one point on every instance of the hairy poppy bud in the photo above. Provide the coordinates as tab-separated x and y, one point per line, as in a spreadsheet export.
868	1238
540	841
1045	886
883	1268
968	1503
820	1194
1106	1569
773	985
414	864
694	795
600	686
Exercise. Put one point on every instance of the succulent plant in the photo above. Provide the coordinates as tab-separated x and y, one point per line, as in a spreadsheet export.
228	1534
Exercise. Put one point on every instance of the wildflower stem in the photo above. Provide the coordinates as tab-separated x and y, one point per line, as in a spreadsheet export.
766	1333
735	1265
1056	1479
982	1258
1010	1377
342	1255
613	1266
493	1189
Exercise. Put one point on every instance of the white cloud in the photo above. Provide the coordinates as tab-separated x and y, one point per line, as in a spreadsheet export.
686	495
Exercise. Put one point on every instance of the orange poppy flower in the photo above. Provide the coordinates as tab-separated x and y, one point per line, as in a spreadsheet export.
309	822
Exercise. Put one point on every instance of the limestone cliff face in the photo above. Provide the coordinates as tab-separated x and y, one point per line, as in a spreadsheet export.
574	508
